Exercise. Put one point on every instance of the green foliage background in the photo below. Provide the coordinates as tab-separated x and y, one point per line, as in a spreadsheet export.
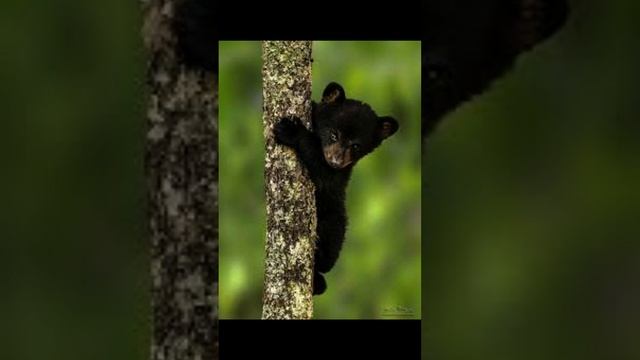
74	264
379	267
532	201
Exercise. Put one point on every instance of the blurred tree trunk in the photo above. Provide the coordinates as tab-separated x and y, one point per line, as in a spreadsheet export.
291	214
182	172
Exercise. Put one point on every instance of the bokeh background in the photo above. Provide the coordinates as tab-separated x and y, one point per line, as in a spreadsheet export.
532	204
379	266
74	260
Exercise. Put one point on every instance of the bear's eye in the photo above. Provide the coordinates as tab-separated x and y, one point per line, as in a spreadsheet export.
334	136
355	147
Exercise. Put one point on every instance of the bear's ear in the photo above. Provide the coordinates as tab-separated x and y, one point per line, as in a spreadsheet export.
333	94
387	126
537	20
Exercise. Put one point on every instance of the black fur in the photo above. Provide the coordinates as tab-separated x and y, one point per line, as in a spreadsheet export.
197	41
469	43
343	131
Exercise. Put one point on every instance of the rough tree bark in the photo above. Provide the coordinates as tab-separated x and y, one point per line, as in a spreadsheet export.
291	215
182	174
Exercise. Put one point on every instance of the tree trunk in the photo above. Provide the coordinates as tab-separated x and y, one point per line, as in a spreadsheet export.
182	172
291	211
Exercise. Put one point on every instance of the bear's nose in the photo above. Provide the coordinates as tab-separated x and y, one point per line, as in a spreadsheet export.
335	162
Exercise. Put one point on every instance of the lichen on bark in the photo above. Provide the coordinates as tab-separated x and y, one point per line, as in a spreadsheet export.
181	166
291	216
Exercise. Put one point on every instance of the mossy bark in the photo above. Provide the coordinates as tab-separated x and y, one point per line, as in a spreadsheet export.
291	215
182	173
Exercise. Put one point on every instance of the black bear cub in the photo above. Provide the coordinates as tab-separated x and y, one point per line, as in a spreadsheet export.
343	131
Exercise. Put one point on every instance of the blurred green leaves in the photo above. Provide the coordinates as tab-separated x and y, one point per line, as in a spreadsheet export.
73	252
532	202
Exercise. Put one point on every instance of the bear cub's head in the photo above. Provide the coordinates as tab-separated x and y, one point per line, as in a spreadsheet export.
348	129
